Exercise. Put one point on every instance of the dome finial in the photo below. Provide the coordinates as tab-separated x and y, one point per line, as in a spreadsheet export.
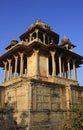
65	40
39	20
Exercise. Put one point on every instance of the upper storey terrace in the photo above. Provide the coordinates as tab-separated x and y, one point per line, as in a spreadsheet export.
39	55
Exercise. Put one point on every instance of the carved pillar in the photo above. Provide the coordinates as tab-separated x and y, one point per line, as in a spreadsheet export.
48	40
60	64
63	70
37	61
44	35
11	73
5	71
25	71
21	63
69	74
48	66
74	69
9	69
53	63
27	66
37	34
16	64
30	37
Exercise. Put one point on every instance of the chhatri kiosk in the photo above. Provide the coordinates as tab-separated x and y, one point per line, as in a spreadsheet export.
40	79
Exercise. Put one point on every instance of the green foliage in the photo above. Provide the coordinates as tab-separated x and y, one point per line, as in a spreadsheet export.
77	117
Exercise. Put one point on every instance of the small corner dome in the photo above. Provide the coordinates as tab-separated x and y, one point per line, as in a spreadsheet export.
12	43
65	40
40	24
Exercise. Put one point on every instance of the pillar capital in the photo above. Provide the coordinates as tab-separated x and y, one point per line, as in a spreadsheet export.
36	30
9	61
44	34
15	56
36	51
60	55
30	34
5	63
21	54
74	61
52	53
68	59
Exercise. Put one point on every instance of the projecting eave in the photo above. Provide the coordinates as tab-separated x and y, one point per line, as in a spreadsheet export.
26	48
8	54
66	53
69	44
63	50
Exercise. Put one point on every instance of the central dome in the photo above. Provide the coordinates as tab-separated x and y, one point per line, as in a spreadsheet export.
40	24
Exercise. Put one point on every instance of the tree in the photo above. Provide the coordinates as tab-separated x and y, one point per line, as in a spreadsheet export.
75	121
76	118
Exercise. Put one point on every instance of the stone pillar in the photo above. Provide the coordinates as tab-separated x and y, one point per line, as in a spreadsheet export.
53	63
63	70
16	64
69	74
25	71
27	66
30	38
68	94
48	40
44	38
11	73
9	69
37	34
21	63
5	71
37	61
60	66
74	69
48	66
